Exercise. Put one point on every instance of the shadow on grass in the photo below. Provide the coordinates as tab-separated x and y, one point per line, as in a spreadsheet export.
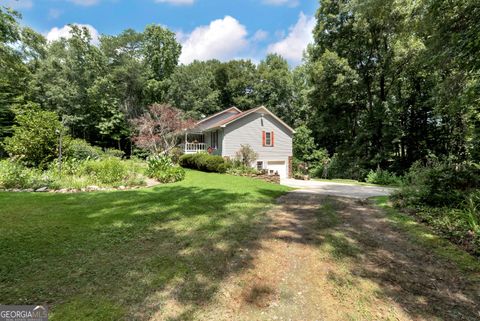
358	236
117	255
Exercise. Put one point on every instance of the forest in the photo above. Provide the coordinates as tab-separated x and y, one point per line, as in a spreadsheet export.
388	91
385	83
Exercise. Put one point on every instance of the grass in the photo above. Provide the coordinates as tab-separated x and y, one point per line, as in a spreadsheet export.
421	234
114	255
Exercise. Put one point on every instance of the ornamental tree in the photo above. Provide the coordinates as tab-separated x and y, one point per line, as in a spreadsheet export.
159	128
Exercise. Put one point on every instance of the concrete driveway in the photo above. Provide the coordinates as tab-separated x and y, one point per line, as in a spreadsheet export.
337	189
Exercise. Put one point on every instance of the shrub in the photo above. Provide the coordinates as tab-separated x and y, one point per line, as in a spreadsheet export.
341	166
205	162
439	183
246	155
239	169
70	166
383	177
446	196
35	140
79	149
164	170
112	152
175	154
472	212
318	163
187	161
16	175
169	174
106	171
300	169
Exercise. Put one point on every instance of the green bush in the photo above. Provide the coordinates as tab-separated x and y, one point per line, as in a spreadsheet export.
70	166
383	177
341	166
105	171
318	163
471	210
187	161
246	155
205	162
175	154
439	183
240	169
112	152
35	136
79	149
169	174
164	170
16	175
446	196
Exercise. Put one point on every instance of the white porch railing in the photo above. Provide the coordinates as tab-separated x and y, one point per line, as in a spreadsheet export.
191	148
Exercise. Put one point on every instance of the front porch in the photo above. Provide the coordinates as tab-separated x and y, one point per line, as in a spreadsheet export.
193	143
192	148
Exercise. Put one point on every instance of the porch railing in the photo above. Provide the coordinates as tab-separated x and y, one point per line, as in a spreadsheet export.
190	148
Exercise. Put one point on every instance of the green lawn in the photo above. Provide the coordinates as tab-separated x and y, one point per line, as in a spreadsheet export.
112	255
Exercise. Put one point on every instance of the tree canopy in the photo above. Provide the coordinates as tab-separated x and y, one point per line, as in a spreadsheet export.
385	83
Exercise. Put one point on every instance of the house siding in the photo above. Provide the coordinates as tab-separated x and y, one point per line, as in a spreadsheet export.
248	130
208	141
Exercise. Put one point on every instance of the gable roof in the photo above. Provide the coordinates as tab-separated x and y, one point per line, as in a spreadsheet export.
231	109
233	118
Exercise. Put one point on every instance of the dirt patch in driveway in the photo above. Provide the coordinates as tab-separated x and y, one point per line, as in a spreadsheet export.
325	258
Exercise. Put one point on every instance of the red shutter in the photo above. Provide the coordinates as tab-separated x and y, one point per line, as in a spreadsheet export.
272	139
263	138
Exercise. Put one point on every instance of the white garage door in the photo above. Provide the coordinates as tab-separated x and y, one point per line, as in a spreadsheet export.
279	167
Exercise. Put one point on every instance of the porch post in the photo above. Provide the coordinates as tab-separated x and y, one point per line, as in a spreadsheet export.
186	142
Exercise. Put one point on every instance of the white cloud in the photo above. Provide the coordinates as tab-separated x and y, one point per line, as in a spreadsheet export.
18	4
290	3
64	32
260	35
299	36
222	39
176	2
85	2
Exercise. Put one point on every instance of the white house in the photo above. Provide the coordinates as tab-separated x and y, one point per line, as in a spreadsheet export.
223	134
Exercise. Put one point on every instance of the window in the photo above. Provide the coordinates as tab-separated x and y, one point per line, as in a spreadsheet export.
267	139
260	165
214	139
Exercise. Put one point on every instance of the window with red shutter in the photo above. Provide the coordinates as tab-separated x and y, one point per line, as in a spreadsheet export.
263	138
268	139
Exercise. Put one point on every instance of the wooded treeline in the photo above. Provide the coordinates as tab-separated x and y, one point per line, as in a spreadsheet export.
384	84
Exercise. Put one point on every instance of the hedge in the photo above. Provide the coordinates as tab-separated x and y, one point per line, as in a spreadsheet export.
204	162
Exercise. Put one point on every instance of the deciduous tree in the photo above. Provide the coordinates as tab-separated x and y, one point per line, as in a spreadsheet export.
159	128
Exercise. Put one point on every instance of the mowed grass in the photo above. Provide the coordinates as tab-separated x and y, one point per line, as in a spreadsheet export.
114	255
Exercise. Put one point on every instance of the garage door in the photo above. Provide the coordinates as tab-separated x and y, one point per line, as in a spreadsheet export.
279	167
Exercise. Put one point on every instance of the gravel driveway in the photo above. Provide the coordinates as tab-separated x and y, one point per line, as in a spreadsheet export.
337	189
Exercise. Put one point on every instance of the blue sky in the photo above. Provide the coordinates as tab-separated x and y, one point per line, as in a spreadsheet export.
221	29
